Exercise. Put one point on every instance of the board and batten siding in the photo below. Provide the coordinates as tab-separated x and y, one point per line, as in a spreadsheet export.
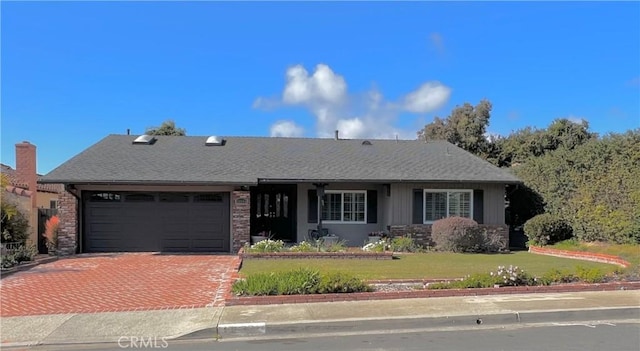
353	234
402	200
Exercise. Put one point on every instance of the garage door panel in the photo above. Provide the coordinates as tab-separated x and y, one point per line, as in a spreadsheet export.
195	223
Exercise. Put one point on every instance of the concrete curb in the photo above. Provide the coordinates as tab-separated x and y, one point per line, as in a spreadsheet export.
253	330
26	266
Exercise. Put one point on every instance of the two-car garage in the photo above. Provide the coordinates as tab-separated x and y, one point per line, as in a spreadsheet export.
155	221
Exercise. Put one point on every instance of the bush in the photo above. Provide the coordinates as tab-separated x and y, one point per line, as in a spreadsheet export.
378	246
299	281
403	244
546	229
459	234
590	275
267	245
452	234
304	246
503	276
340	282
14	225
25	253
557	276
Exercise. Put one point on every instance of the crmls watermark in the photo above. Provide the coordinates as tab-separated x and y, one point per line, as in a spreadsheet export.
142	342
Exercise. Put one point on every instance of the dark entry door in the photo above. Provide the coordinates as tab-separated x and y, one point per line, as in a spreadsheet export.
273	209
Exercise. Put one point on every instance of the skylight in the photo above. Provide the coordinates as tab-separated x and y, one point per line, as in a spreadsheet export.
214	141
145	139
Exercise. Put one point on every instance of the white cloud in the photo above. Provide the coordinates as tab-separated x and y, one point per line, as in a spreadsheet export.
324	86
428	97
363	115
286	129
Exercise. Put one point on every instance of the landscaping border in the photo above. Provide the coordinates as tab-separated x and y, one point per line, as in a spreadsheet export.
388	255
24	266
580	255
378	295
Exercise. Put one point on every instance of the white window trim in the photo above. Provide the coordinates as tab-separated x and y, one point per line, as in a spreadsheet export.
342	221
424	201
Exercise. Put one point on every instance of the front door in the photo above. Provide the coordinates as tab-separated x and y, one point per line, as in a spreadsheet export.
273	210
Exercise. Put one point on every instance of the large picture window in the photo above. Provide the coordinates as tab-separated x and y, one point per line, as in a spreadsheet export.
441	203
345	206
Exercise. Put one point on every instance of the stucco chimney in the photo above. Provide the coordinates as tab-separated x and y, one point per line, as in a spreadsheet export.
26	168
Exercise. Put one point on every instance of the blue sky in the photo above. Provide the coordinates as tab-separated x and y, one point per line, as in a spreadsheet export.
74	72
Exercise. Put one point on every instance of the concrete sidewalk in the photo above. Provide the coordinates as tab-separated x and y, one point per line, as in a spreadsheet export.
327	317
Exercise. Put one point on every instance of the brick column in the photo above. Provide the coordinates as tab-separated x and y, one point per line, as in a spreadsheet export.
68	231
240	219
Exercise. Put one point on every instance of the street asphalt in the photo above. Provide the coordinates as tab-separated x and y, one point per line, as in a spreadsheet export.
327	318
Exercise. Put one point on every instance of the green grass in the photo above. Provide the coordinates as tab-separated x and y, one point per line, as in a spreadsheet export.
426	265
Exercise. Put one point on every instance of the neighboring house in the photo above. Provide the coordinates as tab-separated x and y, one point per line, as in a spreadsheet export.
23	183
192	193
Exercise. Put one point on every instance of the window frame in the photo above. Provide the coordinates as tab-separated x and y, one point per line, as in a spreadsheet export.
342	192
446	191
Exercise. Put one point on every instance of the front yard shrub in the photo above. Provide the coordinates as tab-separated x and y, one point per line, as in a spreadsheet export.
304	246
459	234
298	282
14	224
8	261
546	229
341	282
557	276
404	244
378	246
25	253
503	276
267	245
590	275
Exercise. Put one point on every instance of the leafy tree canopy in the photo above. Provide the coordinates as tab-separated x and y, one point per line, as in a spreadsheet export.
167	127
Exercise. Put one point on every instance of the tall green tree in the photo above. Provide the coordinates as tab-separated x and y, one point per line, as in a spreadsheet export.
531	142
465	127
167	127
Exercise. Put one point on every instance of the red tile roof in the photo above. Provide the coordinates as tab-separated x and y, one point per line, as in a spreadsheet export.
15	181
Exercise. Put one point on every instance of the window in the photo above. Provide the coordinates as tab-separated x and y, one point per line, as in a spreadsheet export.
174	197
213	197
345	206
104	197
53	204
441	203
140	197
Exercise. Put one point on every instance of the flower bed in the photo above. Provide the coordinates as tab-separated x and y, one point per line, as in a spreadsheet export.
362	255
426	293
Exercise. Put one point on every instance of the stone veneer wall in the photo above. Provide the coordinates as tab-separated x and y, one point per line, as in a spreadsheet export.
68	230
422	232
240	219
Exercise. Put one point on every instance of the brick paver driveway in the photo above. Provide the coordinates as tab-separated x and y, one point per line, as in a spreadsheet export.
119	282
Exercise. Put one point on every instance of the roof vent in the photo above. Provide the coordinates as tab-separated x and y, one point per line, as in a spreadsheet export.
366	142
214	141
145	139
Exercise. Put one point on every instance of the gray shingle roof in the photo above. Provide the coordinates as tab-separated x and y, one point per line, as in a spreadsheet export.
245	160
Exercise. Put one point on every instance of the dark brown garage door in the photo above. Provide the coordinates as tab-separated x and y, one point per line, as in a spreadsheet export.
169	222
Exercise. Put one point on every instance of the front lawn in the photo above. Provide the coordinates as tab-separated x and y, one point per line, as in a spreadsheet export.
425	266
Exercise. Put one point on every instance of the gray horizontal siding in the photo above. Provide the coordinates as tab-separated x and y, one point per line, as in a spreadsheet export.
402	200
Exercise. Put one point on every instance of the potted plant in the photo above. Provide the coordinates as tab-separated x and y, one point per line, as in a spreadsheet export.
52	226
260	236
